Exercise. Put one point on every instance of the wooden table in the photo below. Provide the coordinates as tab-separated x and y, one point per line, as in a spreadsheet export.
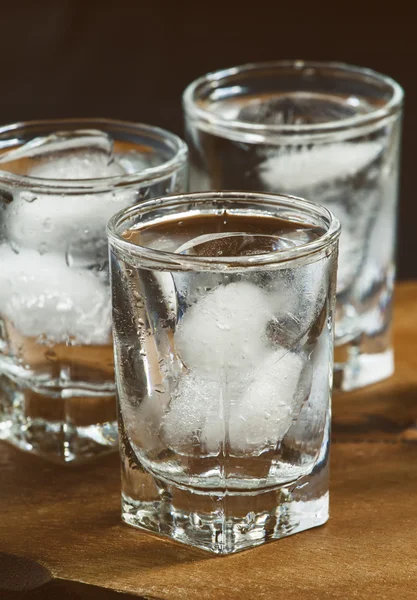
63	527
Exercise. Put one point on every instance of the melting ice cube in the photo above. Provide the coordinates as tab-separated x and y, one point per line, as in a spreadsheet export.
311	420
351	249
248	416
54	219
42	295
194	407
379	244
62	142
143	414
297	297
192	286
291	168
324	174
235	244
322	360
299	108
266	409
225	331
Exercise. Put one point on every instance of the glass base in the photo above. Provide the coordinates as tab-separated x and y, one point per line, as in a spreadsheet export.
354	368
363	352
73	429
227	522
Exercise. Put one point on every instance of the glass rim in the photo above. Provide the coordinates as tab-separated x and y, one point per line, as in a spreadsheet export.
196	112
69	186
173	261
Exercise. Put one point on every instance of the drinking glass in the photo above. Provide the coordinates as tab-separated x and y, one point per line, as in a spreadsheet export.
223	336
328	132
60	182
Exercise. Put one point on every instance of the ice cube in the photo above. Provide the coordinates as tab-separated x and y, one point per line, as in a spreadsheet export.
214	432
194	399
235	244
55	221
133	162
264	414
165	243
292	169
324	174
143	409
297	297
322	360
357	207
88	253
351	248
380	243
85	164
308	428
299	108
62	142
52	221
248	416
41	295
224	332
192	286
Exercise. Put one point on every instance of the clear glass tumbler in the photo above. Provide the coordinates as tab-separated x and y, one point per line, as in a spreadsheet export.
223	335
60	182
330	133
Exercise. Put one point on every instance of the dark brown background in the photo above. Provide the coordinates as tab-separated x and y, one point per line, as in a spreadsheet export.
131	59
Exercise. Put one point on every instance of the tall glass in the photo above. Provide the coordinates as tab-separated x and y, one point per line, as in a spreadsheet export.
330	133
223	334
60	182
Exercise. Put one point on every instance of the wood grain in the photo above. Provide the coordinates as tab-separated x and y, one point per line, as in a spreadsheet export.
66	519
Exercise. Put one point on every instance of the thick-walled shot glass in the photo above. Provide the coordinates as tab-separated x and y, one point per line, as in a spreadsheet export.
328	132
60	182
223	333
